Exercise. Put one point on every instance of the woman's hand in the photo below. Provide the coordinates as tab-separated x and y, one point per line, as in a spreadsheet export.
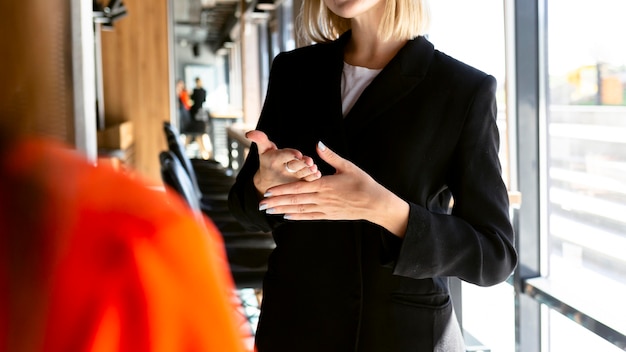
349	194
280	166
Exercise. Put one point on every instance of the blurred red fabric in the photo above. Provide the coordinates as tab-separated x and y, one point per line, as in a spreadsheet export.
94	260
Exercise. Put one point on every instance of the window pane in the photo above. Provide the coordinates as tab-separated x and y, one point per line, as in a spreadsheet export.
586	146
473	32
566	335
489	316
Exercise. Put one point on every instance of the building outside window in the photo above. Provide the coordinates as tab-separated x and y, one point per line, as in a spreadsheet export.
586	166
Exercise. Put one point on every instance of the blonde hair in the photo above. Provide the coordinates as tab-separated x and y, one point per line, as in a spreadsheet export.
402	19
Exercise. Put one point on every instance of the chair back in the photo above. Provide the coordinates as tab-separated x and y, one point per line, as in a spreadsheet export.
176	178
176	146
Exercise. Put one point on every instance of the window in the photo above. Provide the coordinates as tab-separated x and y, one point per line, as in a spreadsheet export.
473	32
586	160
566	335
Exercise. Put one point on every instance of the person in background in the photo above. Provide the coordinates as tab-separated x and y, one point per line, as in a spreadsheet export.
191	125
198	96
366	232
92	259
184	101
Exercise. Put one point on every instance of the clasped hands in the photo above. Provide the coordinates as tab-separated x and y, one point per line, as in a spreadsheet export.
292	185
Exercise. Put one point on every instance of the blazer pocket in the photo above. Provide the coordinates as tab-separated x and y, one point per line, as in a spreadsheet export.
435	320
415	320
433	301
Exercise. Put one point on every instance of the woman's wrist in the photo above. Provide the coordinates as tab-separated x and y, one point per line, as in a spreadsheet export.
393	214
258	184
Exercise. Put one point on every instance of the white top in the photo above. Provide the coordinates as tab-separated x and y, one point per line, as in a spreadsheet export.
354	80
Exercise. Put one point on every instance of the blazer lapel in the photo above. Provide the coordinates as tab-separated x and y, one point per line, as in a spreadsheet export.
330	127
398	78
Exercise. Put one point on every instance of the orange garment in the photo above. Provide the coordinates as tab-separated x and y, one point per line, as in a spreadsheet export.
185	99
92	260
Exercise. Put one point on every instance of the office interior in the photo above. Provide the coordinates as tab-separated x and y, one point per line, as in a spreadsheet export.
102	75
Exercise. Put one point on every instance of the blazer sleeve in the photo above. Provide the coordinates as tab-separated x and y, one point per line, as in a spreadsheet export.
476	241
243	200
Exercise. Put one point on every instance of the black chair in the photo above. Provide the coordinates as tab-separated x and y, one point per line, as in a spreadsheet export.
176	177
208	175
210	179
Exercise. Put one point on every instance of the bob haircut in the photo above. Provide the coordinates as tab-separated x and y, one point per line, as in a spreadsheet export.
402	19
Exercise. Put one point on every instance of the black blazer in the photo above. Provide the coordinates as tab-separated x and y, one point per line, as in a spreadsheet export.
425	128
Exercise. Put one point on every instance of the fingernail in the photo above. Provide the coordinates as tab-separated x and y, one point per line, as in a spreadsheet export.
270	211
321	146
262	207
267	194
287	217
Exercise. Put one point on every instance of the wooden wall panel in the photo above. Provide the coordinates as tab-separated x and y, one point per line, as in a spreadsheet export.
36	93
136	79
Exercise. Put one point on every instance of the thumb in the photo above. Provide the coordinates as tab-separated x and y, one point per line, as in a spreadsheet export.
332	158
260	138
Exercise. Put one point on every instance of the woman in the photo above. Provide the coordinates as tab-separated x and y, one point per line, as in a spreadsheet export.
363	140
184	101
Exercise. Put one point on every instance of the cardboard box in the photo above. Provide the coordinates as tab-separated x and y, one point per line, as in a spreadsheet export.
117	136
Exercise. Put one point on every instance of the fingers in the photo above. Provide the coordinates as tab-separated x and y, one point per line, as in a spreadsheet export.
295	165
347	195
280	166
264	144
302	168
332	158
260	138
301	204
312	177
